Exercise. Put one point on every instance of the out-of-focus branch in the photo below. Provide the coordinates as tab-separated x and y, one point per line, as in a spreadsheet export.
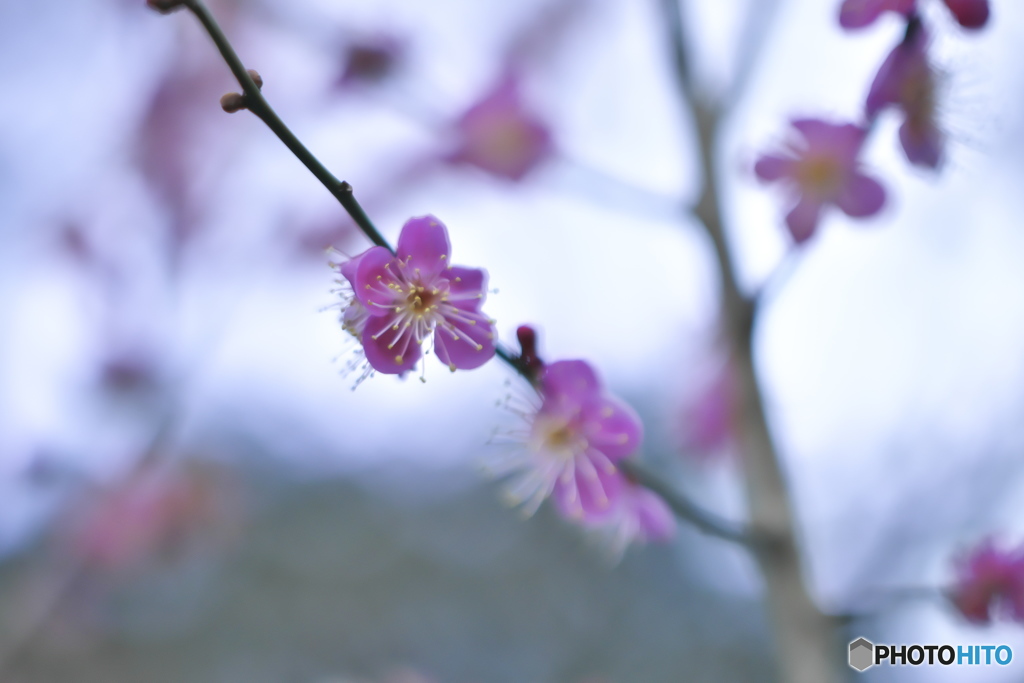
752	38
687	510
885	598
806	638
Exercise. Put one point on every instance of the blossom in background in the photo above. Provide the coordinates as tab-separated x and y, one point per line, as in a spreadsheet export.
371	60
969	13
907	80
149	516
990	583
820	167
500	136
853	14
401	300
861	13
571	443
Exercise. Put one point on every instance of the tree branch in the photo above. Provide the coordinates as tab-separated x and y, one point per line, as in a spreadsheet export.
806	638
686	509
258	105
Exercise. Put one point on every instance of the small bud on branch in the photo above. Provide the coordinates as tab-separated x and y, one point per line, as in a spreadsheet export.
232	102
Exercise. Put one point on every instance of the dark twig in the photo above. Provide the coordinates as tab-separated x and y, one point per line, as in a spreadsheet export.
257	104
686	509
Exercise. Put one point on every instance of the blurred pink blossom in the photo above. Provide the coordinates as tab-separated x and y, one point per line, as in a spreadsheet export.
571	444
860	13
402	300
500	136
971	14
149	516
907	80
821	167
990	583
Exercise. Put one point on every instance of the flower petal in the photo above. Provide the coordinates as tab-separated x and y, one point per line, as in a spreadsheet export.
657	523
971	14
469	345
573	379
771	167
861	196
591	493
803	220
840	141
903	76
922	144
468	287
374	274
387	350
348	268
612	427
424	245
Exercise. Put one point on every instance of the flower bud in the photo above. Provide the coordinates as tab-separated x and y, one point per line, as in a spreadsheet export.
233	102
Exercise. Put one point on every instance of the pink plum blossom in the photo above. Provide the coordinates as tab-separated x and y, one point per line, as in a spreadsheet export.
571	444
400	300
860	13
500	136
820	167
145	518
854	14
990	583
907	80
971	14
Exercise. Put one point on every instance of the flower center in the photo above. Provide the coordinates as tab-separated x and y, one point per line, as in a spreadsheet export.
502	141
558	436
820	176
422	301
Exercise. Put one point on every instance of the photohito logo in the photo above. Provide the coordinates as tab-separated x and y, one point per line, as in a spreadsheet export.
864	654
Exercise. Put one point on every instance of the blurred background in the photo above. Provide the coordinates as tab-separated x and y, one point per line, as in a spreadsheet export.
190	488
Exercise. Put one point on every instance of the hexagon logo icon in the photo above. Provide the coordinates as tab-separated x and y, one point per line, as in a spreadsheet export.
862	654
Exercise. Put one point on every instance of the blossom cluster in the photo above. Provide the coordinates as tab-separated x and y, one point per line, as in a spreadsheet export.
400	305
820	165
